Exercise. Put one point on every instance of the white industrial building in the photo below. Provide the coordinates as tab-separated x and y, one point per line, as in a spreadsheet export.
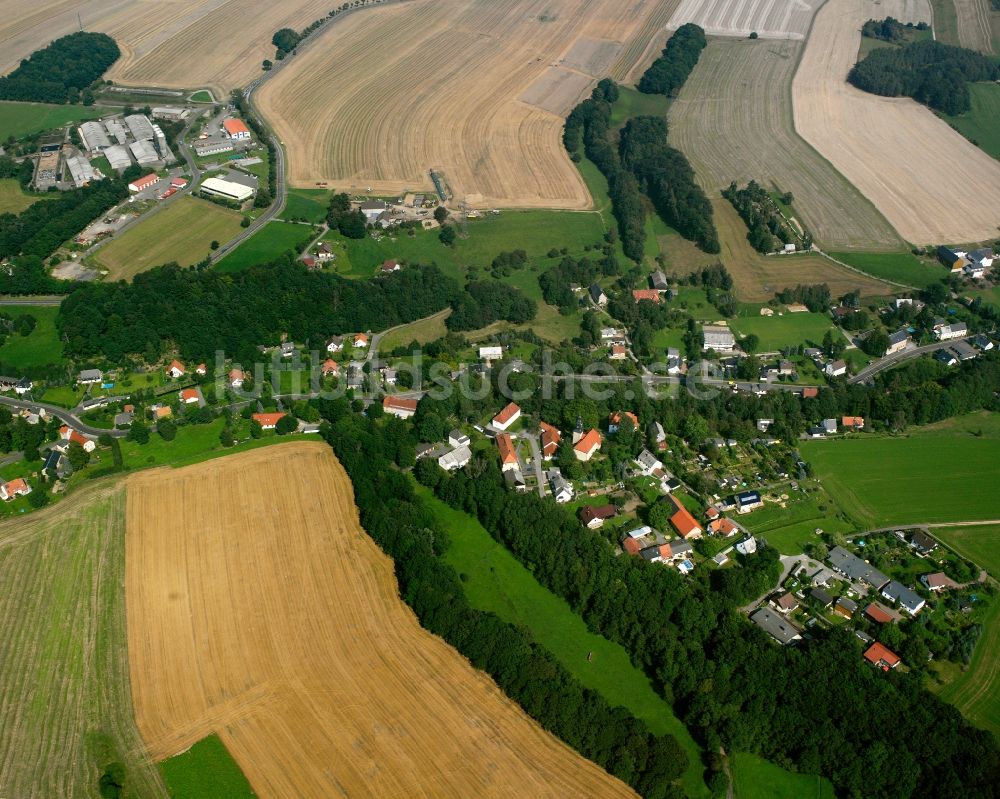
170	112
80	170
118	157
140	127
116	130
143	152
218	187
204	147
93	136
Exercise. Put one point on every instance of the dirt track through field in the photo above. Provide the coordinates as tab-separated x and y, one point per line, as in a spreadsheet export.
733	119
932	184
176	44
472	88
258	608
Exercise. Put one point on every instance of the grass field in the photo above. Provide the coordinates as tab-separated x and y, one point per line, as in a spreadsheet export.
332	688
41	347
270	242
13	199
421	331
980	544
979	125
205	771
756	778
791	528
733	119
933	474
181	232
757	277
632	103
21	119
900	267
307	204
495	581
65	703
789	330
202	96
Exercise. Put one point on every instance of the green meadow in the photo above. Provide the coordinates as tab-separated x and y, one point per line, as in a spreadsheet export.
788	330
270	242
756	778
41	347
205	771
901	267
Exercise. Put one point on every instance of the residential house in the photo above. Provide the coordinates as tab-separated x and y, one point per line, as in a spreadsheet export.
982	258
682	520
515	480
455	459
854	568
836	368
510	414
594	516
785	603
335	344
658	434
560	488
190	396
456	439
23	386
880	614
508	455
161	412
747	546
176	369
983	342
611	334
937	581
400	407
390	376
615	420
201	370
550	440
810	392
821	597
845	607
829	426
329	368
648	463
658	280
719	338
69	434
360	340
18	487
764	424
492	353
675	364
587	446
597	294
975	271
905	597
236	378
618	352
355	375
853	422
88	376
952	331
881	656
898	342
652	295
389	266
747	501
724	527
964	351
777	626
947	357
54	464
287	349
267	421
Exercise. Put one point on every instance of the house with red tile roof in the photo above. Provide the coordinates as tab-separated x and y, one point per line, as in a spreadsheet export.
18	487
853	422
632	546
881	656
161	411
645	294
810	391
586	447
685	524
723	526
615	420
330	367
267	421
550	440
201	370
189	395
399	406
361	340
507	417
69	434
390	266
880	614
236	128
618	352
236	378
176	369
508	455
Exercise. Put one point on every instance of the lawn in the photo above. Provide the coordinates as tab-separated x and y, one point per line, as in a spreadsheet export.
205	771
756	778
22	119
633	103
41	347
202	96
938	473
13	199
495	581
791	528
978	543
901	267
181	232
789	330
421	331
980	124
269	243
307	204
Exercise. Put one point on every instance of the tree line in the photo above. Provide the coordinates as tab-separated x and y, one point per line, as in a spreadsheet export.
819	707
63	71
930	72
371	449
891	29
668	73
489	301
765	226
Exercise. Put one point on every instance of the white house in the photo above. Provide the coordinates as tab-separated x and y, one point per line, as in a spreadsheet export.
490	353
648	463
507	417
456	438
23	386
561	488
719	338
335	344
836	368
587	446
399	406
948	332
236	378
455	459
674	361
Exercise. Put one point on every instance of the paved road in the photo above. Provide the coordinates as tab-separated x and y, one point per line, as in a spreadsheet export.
896	358
69	417
536	458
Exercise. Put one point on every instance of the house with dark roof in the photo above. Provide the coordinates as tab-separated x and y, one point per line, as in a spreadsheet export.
785	603
922	542
845	607
777	626
821	597
594	516
597	294
937	581
852	567
880	614
905	597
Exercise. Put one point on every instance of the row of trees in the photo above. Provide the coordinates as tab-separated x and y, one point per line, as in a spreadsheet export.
891	29
402	526
667	178
668	73
819	707
62	71
930	72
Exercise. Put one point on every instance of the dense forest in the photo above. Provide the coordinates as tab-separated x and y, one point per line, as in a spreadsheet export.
818	707
370	450
591	121
63	71
667	73
766	229
43	226
201	312
22	172
930	72
667	178
555	282
486	302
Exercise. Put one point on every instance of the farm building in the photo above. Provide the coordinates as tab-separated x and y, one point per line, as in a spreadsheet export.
212	146
118	156
93	137
143	152
144	182
80	171
645	294
217	187
236	128
140	127
685	524
267	421
719	338
508	455
170	112
399	406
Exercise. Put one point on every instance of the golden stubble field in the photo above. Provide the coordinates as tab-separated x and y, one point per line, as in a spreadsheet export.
476	89
259	609
171	43
932	184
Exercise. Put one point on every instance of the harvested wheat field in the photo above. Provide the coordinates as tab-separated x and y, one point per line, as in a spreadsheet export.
770	19
757	277
975	24
259	609
65	703
932	184
475	89
179	44
733	120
